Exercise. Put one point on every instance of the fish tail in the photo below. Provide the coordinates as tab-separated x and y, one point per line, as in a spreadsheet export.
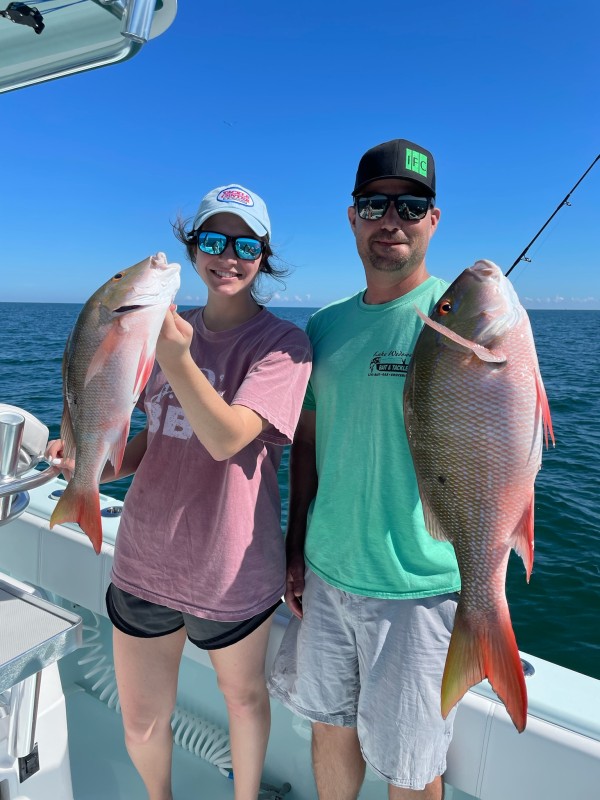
82	507
485	650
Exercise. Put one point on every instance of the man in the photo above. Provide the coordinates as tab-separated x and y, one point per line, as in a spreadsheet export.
364	655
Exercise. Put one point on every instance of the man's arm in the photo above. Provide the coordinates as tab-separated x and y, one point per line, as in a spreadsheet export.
303	488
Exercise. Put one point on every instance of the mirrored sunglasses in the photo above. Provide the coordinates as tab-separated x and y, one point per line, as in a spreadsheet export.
408	206
245	247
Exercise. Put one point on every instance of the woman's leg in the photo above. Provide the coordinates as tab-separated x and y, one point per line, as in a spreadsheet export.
240	672
147	671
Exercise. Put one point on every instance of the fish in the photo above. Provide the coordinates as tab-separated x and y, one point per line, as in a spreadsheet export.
107	361
476	417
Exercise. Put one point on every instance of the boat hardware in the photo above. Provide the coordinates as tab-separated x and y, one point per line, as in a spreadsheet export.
111	511
528	669
23	14
269	792
11	436
14	498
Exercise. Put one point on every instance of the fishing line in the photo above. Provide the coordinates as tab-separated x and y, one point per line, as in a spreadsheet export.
563	202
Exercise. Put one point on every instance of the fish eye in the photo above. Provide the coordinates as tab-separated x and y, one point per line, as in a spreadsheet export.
444	307
118	276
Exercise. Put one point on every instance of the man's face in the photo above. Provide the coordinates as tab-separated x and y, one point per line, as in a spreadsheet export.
391	244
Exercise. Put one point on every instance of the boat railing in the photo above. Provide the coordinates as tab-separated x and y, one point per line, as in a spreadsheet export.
14	486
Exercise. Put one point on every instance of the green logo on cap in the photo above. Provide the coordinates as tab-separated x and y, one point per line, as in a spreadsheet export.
416	162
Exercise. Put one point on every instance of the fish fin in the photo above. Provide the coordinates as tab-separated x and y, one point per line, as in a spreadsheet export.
82	507
111	341
432	524
144	370
482	353
117	450
522	542
485	649
67	433
545	408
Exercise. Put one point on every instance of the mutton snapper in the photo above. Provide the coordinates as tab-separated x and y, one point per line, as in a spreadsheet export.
476	412
107	362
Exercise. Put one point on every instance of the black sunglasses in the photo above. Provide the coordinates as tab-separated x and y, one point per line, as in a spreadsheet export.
245	247
408	206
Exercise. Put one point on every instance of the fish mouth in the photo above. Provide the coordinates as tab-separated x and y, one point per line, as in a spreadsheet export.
125	309
485	270
503	311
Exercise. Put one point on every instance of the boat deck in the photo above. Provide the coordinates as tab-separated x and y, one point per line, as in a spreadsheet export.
100	766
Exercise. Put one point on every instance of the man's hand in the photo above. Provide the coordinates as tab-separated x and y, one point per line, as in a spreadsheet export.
294	584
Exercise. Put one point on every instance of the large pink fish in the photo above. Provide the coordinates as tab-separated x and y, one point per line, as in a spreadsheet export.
475	412
106	364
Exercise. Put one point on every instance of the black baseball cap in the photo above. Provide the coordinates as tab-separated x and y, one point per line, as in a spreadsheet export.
398	158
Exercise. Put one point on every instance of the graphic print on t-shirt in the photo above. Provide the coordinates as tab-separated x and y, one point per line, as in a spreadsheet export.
175	424
389	363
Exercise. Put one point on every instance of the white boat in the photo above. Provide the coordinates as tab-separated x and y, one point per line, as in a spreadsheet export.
60	731
79	752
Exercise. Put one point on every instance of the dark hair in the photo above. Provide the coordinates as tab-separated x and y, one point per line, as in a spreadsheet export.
267	265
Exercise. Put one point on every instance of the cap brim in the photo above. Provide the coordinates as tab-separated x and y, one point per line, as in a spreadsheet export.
256	226
419	183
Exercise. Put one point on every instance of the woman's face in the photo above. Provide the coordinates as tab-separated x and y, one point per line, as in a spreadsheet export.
226	274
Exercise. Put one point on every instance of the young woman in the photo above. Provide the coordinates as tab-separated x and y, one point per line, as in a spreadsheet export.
200	553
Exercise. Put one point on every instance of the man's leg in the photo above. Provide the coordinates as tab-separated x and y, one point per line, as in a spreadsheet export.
338	764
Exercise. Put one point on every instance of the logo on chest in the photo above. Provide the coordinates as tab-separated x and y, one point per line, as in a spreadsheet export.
390	363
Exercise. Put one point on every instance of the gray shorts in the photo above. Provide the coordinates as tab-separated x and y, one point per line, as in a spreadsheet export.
375	665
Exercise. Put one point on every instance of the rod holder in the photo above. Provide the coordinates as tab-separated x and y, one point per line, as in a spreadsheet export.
11	436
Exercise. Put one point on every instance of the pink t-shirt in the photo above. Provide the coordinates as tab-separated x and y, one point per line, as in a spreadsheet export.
200	535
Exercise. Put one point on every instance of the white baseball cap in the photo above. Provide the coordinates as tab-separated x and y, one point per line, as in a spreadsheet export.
235	199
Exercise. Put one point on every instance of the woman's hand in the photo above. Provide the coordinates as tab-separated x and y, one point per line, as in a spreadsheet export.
54	456
174	339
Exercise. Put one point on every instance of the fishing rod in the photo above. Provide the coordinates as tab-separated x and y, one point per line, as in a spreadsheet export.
562	203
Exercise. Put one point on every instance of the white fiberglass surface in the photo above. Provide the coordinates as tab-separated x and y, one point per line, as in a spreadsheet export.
100	766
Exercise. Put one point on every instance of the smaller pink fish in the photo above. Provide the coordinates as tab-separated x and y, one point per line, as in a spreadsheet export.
106	364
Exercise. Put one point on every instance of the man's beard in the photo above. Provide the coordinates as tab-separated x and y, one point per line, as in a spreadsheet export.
393	262
383	264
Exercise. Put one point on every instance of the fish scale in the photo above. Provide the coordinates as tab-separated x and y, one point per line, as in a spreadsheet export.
475	408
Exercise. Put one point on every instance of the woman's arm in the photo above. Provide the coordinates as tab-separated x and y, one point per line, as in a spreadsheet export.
223	429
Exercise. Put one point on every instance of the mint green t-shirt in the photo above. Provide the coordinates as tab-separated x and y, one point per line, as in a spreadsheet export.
366	533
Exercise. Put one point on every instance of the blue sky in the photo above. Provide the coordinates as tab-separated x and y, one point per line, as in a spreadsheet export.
284	98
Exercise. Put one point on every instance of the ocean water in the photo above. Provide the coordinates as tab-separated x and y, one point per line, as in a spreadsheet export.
557	615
